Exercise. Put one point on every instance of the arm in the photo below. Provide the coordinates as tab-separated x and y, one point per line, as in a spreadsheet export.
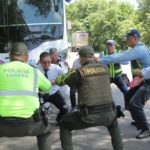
132	54
43	83
71	78
146	73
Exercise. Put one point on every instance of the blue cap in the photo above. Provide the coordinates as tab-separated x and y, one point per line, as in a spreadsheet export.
110	42
133	32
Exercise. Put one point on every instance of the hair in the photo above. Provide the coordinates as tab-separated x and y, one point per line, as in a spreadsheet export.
44	54
52	51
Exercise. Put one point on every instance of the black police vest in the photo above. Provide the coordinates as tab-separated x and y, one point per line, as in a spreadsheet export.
95	87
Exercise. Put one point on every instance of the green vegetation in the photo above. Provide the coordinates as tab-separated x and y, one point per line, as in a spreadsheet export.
109	20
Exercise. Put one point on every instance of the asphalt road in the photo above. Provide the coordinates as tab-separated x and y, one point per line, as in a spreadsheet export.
96	138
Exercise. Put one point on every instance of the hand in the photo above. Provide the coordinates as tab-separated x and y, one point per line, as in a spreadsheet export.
96	59
53	82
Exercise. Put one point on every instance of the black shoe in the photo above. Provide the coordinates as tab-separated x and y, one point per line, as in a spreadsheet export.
143	134
133	123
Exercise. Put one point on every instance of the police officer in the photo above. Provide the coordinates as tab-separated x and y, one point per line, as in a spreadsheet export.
95	107
137	103
19	103
116	75
139	55
138	51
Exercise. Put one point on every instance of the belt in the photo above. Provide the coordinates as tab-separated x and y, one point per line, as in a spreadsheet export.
95	109
16	120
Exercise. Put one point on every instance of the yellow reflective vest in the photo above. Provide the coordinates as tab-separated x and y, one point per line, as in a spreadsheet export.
19	85
114	69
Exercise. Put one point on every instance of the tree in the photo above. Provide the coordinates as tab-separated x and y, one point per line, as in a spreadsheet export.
144	20
102	19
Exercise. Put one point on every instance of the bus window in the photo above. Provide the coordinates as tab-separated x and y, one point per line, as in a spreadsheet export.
31	21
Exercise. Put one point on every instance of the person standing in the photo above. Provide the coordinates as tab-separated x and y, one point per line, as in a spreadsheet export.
142	53
116	75
139	55
52	71
19	102
94	107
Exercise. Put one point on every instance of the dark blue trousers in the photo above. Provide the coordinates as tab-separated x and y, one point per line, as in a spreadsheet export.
136	106
121	84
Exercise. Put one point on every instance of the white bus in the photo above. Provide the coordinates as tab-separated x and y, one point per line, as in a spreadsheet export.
41	24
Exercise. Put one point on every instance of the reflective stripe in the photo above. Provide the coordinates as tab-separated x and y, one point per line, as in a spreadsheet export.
119	70
23	92
35	80
114	72
18	93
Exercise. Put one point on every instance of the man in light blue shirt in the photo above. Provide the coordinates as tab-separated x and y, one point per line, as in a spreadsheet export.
139	51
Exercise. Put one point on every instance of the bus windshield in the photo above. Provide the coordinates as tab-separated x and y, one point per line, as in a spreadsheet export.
31	21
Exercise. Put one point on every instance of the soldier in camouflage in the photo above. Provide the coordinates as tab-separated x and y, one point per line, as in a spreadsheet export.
95	106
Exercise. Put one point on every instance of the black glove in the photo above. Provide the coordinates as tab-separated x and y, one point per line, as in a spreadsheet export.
119	111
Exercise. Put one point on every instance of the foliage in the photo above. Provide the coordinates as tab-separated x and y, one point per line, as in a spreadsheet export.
109	20
144	20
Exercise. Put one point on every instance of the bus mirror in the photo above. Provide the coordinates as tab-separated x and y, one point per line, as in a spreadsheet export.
56	5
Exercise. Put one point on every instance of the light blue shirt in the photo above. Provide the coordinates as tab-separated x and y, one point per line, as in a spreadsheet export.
102	54
140	52
146	73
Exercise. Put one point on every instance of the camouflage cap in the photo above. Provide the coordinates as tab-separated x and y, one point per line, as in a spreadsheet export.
86	51
19	48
